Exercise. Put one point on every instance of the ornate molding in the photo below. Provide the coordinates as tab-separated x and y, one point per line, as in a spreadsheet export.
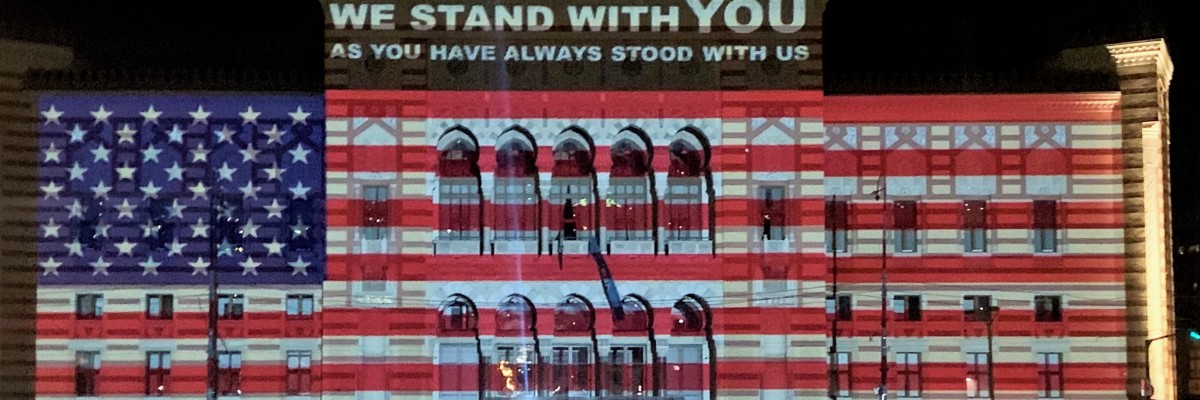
1147	52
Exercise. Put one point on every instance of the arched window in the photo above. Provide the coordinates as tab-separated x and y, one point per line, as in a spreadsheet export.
573	315
459	210
687	188
630	367
457	315
571	194
515	314
687	317
629	204
637	318
516	198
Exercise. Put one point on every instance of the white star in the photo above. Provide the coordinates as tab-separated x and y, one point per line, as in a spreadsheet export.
249	116
275	247
74	248
249	267
50	229
125	172
275	172
199	191
224	134
175	247
77	172
77	134
150	191
299	267
149	229
101	115
199	267
151	154
225	248
250	229
225	172
75	209
102	230
200	153
151	115
52	153
100	153
174	172
299	191
249	191
100	266
299	116
200	228
176	134
126	134
176	209
275	209
299	154
150	266
299	229
249	153
50	266
274	135
125	210
125	247
52	115
199	116
101	190
52	189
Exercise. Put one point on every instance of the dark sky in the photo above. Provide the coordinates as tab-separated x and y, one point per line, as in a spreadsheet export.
861	37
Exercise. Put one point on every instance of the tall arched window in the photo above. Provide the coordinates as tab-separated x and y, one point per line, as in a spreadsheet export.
687	188
629	204
685	373
571	358
573	315
457	315
572	200
631	360
515	315
458	359
516	199
459	211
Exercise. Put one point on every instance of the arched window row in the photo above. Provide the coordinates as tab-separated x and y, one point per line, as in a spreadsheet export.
577	367
572	207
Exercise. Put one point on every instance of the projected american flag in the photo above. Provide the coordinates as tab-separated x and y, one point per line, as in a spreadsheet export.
127	186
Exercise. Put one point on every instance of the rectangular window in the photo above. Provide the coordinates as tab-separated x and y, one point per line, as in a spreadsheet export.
299	306
229	373
375	212
908	374
458	208
87	372
520	360
230	306
975	226
571	369
516	209
158	369
89	306
972	307
904	217
160	306
840	309
837	220
907	307
627	371
628	209
458	366
1050	378
774	212
841	370
685	209
1045	223
1047	308
374	278
977	375
299	372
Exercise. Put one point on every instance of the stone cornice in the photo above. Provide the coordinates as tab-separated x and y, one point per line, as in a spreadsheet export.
1147	52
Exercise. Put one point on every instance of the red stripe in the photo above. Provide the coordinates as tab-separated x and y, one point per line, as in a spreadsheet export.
573	104
184	325
1071	107
866	163
185	378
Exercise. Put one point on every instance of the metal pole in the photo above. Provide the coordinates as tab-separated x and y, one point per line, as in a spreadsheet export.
991	365
212	305
834	384
883	304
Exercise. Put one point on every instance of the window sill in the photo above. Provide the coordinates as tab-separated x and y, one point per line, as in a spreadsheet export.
529	246
690	247
777	246
456	246
569	247
631	247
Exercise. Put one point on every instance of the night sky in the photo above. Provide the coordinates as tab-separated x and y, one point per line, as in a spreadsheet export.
860	37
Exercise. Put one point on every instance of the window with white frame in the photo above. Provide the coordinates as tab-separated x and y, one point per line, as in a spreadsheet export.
375	212
975	226
1045	226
